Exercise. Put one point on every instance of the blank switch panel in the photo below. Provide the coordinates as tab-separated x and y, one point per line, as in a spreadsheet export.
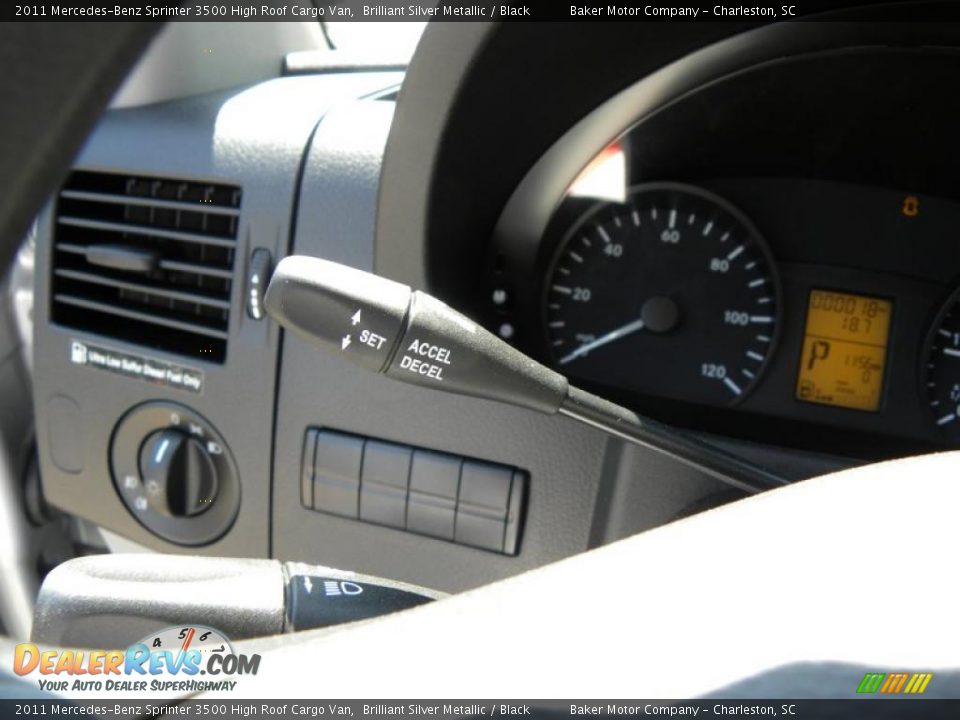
337	461
462	500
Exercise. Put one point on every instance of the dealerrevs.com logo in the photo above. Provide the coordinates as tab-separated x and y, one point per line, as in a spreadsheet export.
178	659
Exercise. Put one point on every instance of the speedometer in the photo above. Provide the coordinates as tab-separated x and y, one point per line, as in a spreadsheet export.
672	292
942	369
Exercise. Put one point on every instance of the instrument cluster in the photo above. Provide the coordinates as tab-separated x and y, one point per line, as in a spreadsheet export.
735	263
673	292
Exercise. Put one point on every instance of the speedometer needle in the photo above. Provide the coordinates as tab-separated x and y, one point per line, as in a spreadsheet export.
630	327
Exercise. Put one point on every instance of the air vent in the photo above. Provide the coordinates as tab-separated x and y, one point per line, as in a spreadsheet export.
146	260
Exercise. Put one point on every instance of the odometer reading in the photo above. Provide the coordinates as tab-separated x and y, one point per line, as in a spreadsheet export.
844	350
671	293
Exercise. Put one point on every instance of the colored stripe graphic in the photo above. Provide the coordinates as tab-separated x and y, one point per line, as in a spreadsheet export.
871	682
918	683
895	683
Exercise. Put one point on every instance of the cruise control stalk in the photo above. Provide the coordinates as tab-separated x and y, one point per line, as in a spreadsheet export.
410	336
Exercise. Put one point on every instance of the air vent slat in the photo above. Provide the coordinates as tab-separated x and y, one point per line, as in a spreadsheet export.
164	264
159	292
70	248
197	269
178	298
146	202
144	230
141	316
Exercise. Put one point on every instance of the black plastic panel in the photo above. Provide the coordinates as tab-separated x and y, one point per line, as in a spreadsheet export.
254	138
470	502
565	462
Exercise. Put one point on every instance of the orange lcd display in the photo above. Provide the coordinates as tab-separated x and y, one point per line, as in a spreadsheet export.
844	350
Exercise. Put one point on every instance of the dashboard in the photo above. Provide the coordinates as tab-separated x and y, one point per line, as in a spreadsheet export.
762	256
807	326
746	231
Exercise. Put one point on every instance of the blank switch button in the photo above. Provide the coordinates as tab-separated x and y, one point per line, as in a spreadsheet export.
482	508
306	468
434	480
336	481
383	483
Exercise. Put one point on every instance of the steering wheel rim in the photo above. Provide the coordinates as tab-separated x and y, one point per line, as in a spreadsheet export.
57	80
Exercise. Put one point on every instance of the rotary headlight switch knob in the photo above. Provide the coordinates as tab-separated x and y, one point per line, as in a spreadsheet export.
174	473
179	475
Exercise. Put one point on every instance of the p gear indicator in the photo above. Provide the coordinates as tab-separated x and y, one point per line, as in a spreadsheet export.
844	350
